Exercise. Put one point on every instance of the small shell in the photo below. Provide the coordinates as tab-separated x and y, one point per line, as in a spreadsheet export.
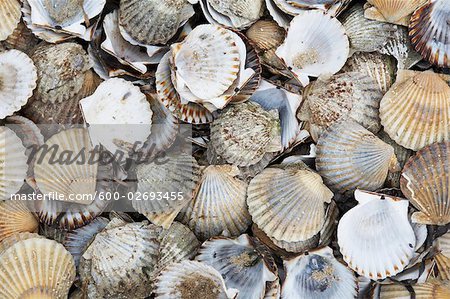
351	157
16	217
233	13
316	45
219	206
17	81
429	32
318	275
424	182
40	268
240	263
433	289
392	11
288	203
443	257
15	238
416	110
120	262
21	39
375	237
10	15
190	279
244	133
346	96
154	21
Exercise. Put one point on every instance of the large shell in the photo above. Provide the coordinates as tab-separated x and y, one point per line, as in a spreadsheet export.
316	45
288	203
17	81
120	262
350	157
346	96
433	289
16	217
219	206
244	133
392	11
10	15
154	21
429	32
39	268
240	263
443	257
318	275
233	13
425	182
13	163
416	110
191	279
375	237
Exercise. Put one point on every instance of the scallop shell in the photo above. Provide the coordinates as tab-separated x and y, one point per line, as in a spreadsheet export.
240	263
416	110
51	266
333	7
278	15
152	21
21	39
424	182
233	13
118	115
316	45
318	274
16	217
429	32
13	163
345	96
10	15
443	257
244	133
219	206
392	11
17	81
190	279
350	157
120	262
15	238
434	289
288	203
375	237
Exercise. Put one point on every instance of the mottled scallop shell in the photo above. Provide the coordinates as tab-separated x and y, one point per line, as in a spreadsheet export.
191	279
39	268
443	257
430	32
416	110
13	163
318	275
288	202
17	81
240	262
118	115
233	13
219	208
350	157
10	15
424	182
21	39
392	11
345	96
152	22
432	289
120	262
316	45
375	237
244	133
16	217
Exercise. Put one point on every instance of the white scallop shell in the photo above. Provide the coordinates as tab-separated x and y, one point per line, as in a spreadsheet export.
10	16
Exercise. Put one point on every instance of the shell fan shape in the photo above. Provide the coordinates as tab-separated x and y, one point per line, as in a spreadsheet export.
16	217
10	15
392	11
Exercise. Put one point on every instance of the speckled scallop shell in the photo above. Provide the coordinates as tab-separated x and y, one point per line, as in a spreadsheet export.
120	262
430	32
17	81
219	208
13	163
40	268
244	133
433	289
416	110
233	13
424	182
288	203
10	15
350	157
21	39
345	96
16	217
240	262
316	45
375	237
191	279
443	257
318	275
154	21
392	11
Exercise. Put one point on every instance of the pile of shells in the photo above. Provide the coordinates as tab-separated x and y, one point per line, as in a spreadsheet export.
214	149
